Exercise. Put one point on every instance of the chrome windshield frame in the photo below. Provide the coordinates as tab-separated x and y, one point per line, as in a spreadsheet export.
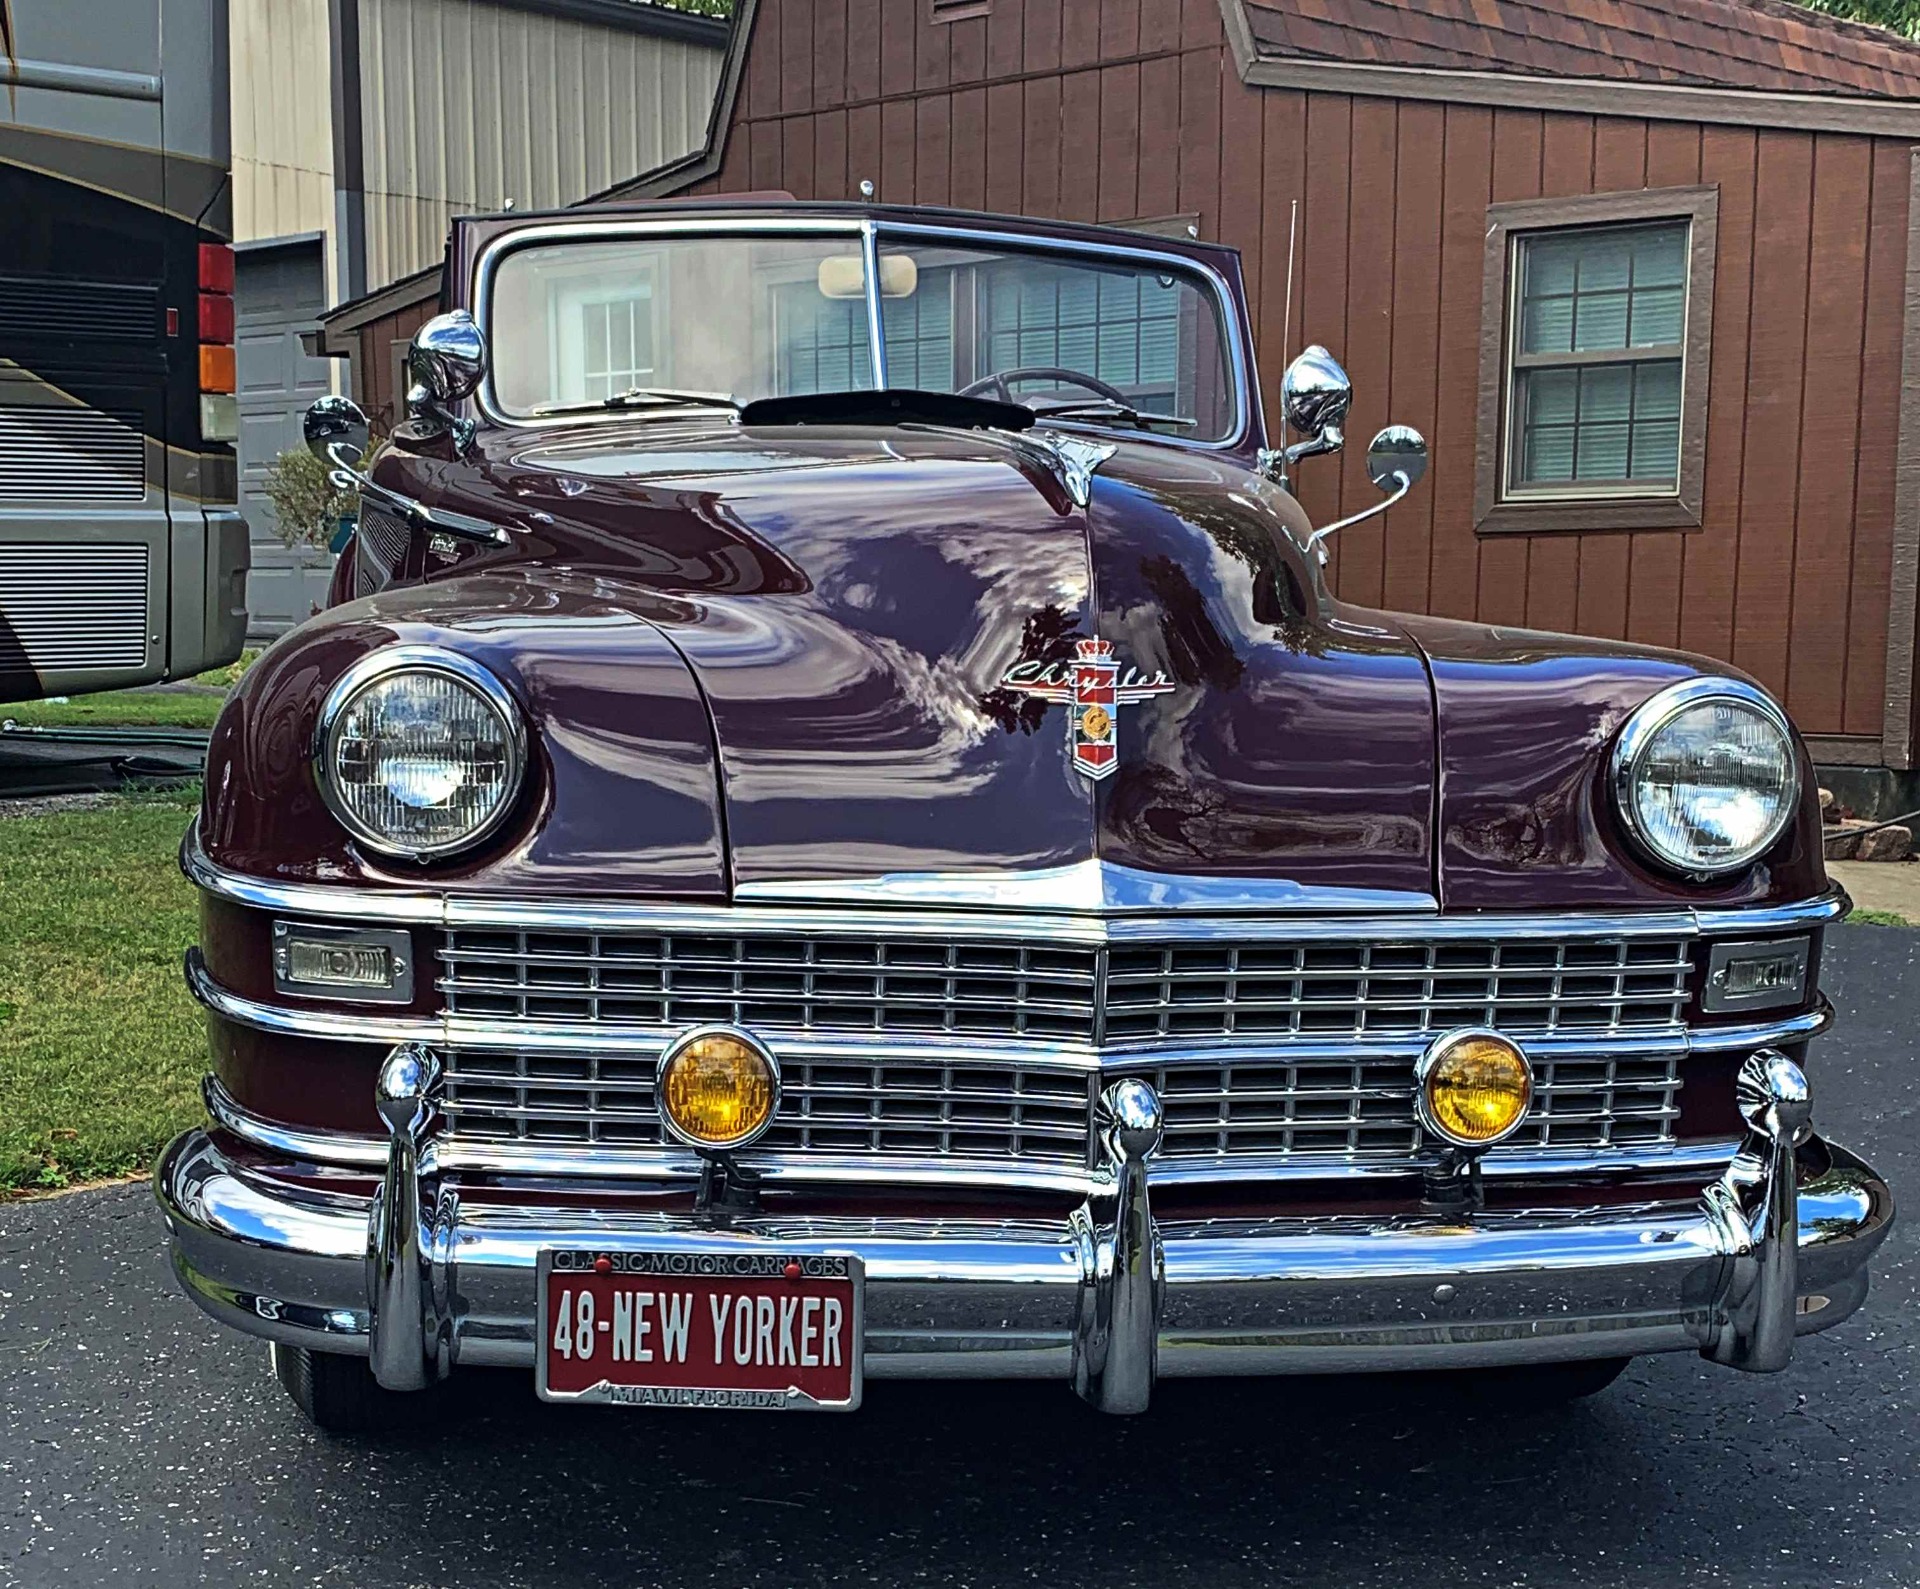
870	235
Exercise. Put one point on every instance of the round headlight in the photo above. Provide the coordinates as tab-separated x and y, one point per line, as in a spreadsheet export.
1473	1088
1705	775
420	751
717	1088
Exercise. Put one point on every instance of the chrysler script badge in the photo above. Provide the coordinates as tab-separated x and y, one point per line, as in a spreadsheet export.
1093	689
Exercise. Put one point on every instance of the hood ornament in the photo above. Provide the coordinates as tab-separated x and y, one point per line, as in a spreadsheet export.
1093	690
1071	460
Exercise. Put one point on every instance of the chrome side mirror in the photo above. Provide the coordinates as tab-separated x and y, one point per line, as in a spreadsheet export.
1396	458
336	433
446	364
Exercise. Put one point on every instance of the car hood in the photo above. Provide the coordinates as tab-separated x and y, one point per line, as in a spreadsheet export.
776	663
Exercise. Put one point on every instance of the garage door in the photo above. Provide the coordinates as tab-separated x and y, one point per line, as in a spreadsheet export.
279	293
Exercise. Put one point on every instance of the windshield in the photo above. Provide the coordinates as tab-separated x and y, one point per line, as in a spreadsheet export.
639	321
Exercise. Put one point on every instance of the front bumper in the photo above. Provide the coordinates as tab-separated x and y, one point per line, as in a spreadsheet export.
1110	1298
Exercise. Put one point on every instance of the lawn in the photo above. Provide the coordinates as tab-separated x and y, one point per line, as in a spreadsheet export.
101	1049
133	708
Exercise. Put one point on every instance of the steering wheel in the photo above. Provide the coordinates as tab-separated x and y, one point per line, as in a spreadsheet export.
1000	383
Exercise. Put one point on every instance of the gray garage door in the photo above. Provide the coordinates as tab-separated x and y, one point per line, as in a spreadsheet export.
278	293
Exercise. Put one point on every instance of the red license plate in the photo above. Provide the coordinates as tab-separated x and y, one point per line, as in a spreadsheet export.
778	1332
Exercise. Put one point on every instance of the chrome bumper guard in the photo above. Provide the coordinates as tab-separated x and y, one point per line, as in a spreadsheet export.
1110	1299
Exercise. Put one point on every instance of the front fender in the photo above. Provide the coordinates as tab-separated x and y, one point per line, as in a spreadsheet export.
622	792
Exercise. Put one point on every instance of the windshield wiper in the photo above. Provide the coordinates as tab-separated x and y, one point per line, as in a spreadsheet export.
1099	408
641	397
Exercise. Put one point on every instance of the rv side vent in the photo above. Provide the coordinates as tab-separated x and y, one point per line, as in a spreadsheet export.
77	455
50	308
70	608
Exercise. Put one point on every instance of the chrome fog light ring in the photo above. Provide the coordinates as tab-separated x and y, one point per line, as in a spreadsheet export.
1635	759
385	667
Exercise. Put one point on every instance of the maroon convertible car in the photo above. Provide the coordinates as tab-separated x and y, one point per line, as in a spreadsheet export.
834	829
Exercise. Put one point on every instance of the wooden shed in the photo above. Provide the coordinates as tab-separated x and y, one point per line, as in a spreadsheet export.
1646	275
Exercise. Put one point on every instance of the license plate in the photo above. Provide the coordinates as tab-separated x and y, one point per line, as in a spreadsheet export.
776	1332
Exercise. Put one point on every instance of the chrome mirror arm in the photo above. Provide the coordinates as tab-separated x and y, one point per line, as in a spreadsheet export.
1316	541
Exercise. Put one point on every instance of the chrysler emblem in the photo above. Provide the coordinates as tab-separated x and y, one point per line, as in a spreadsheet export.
1093	690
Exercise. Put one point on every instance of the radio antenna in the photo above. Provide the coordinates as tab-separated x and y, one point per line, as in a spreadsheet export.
1286	331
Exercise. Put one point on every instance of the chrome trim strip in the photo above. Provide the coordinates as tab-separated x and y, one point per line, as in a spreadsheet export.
329	1024
1707	1157
318	1147
1093	925
1084	888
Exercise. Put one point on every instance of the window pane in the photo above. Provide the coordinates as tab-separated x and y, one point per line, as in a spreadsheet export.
1548	325
1656	393
1550	454
1606	263
1600	321
1551	265
1600	452
1553	397
1656	450
1603	288
1659	316
1660	257
1599	422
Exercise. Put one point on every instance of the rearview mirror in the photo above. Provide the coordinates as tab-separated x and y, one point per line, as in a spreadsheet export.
845	276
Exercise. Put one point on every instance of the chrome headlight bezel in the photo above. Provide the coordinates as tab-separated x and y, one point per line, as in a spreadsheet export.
1641	732
380	665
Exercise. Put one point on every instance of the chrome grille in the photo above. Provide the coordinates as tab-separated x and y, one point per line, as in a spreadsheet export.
380	549
1285	1048
830	986
1256	991
960	1110
1364	1108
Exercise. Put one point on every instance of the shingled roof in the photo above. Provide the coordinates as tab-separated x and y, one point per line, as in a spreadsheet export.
1764	46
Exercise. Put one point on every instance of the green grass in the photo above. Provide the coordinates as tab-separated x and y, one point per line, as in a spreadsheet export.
133	708
101	1049
1878	918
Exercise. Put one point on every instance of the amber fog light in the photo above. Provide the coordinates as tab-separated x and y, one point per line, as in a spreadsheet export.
717	1088
1473	1088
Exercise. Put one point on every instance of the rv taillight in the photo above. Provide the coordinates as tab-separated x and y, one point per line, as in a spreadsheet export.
219	412
216	267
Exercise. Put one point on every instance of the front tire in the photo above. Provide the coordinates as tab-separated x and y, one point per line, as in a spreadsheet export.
339	1395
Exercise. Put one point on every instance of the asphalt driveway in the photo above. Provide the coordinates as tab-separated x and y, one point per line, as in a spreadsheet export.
139	1444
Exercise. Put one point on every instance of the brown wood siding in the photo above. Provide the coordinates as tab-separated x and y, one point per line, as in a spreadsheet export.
1117	109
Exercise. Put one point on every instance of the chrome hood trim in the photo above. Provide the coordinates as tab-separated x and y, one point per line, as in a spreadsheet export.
1093	888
